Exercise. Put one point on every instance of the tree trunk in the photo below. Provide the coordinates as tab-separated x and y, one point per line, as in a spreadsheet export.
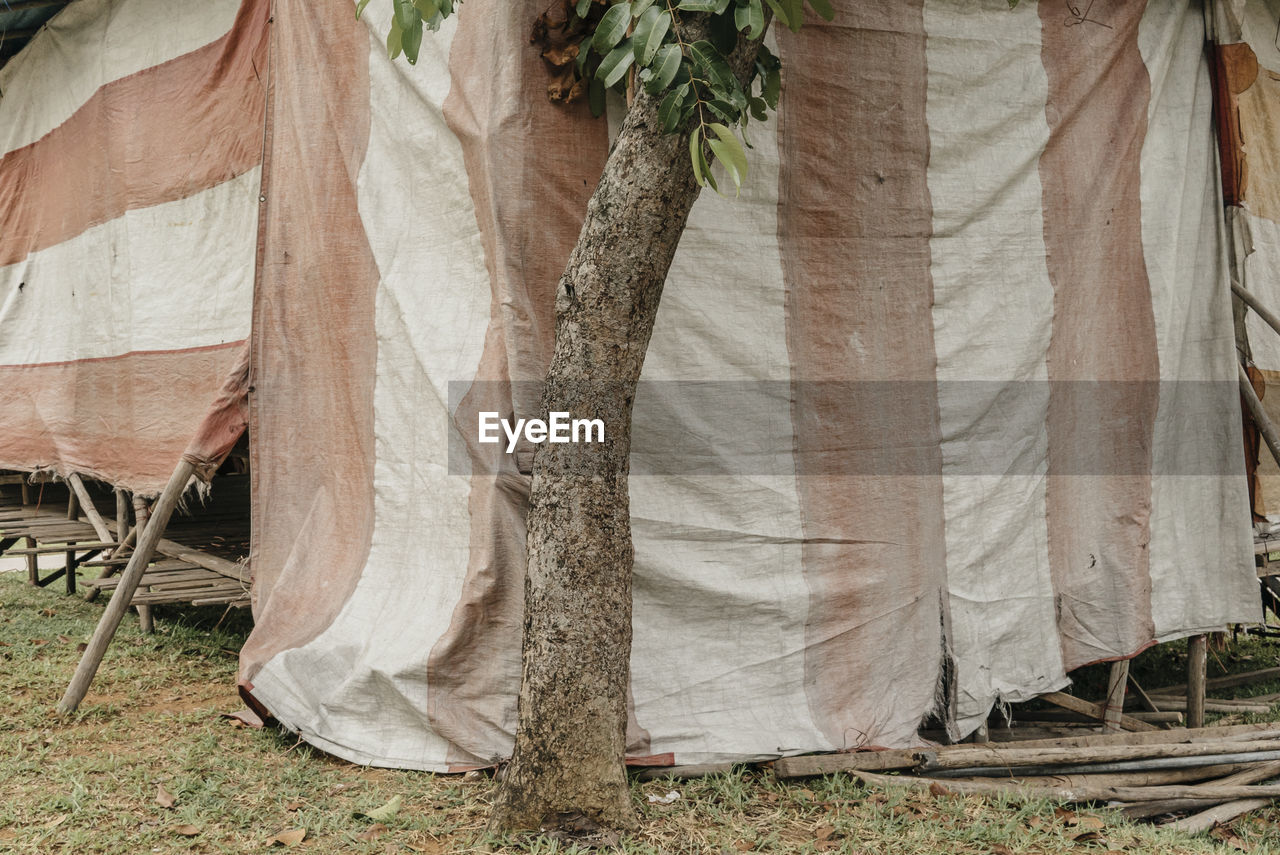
567	769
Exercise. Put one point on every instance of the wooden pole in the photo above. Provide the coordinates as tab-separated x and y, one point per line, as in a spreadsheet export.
1254	774
1252	302
1205	792
110	570
122	513
90	510
141	514
33	563
1113	709
1197	662
123	593
1260	418
1097	711
73	510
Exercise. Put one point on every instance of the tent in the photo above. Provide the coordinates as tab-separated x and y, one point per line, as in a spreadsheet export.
941	408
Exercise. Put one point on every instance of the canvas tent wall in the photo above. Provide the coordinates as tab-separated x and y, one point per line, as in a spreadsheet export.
132	145
950	388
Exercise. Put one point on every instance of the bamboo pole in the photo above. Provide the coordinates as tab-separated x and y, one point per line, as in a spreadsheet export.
1230	681
110	570
122	512
1197	653
1260	418
1202	792
1096	711
1113	709
1252	775
1214	705
1234	736
33	563
1252	302
141	517
123	593
73	510
1142	696
90	510
1225	812
1113	767
970	756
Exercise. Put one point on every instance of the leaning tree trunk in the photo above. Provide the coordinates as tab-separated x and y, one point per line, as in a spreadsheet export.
567	770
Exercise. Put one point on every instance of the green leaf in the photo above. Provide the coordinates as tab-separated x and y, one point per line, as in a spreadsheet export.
393	39
669	111
698	5
695	154
360	8
664	68
614	66
406	14
638	7
779	12
411	41
750	18
384	813
824	10
729	152
650	32
427	8
596	97
795	12
612	27
772	88
582	9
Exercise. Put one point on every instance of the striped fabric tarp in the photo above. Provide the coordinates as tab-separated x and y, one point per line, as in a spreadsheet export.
130	151
940	409
1246	65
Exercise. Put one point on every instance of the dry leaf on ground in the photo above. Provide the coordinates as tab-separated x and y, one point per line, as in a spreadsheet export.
164	798
372	832
291	837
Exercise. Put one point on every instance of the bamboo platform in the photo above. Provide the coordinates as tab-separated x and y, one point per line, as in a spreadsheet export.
197	562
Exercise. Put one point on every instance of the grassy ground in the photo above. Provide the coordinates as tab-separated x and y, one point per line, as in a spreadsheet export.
148	765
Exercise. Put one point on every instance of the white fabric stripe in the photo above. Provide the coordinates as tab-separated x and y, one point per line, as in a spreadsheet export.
720	597
1202	574
993	310
359	690
123	37
122	286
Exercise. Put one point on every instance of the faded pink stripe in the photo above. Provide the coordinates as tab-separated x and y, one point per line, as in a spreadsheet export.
855	220
1103	330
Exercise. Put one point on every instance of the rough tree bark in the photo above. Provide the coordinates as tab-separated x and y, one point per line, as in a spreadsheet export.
567	770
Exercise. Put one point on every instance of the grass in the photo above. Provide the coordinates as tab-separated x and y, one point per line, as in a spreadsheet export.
92	783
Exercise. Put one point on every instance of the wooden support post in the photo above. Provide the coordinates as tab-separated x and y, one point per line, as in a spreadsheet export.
141	515
122	513
111	569
1113	708
33	564
73	509
90	510
123	593
1197	663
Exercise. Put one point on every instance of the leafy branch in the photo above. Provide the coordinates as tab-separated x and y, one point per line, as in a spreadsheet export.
696	89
